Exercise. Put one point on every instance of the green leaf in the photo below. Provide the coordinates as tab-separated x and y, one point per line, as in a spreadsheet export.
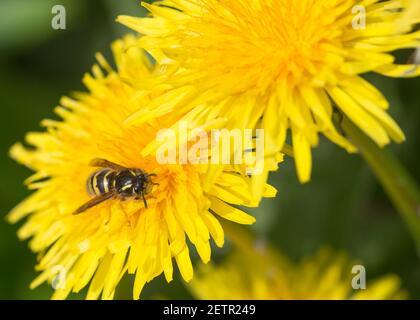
401	188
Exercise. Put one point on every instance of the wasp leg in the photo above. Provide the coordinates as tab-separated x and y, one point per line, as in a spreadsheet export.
144	200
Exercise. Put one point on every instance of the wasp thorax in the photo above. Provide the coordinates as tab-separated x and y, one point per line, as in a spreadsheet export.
130	182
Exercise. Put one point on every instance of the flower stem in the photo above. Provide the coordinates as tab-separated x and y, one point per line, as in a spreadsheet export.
401	188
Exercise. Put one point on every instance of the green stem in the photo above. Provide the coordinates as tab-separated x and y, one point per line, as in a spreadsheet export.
401	188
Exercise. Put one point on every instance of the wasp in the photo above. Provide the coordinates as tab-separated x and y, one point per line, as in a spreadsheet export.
116	181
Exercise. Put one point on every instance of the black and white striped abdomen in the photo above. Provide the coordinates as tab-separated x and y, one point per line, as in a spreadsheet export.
101	182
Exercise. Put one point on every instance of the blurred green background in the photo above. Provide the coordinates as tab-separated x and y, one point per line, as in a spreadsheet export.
343	206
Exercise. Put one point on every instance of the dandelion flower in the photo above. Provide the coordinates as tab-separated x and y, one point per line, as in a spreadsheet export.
412	13
96	248
260	275
285	65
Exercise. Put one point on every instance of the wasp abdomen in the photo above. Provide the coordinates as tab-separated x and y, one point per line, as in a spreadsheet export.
101	182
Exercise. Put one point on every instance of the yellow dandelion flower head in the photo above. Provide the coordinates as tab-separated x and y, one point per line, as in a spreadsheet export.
282	63
97	247
264	275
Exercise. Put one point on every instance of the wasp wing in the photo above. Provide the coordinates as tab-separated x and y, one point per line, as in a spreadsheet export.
102	163
93	202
